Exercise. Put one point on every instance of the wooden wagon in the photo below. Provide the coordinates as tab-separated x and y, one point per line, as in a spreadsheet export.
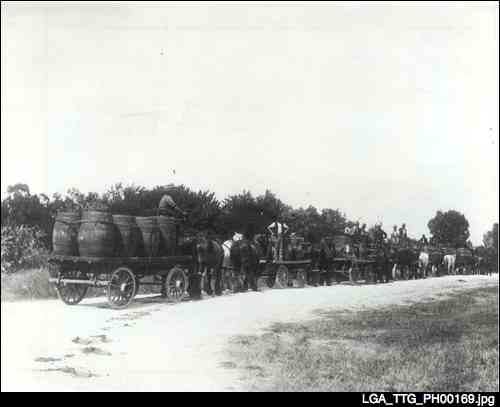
120	276
283	273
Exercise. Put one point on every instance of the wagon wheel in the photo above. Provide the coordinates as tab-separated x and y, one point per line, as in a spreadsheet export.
301	278
121	288
72	294
282	277
176	284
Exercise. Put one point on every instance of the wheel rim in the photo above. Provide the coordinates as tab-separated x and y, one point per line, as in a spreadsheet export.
121	288
176	284
282	277
72	294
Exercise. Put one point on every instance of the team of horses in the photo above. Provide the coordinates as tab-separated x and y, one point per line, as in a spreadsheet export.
235	263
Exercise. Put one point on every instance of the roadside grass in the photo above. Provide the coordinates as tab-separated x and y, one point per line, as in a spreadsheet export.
27	284
446	345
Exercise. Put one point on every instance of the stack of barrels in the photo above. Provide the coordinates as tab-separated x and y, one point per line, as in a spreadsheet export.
93	233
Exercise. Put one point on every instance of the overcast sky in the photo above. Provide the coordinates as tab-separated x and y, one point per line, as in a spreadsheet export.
387	112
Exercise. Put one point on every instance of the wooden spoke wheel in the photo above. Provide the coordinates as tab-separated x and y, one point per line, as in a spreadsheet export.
121	288
69	293
282	277
301	278
176	284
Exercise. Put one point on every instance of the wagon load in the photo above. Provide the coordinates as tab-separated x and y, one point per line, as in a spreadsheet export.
65	234
97	235
464	257
128	237
150	234
435	256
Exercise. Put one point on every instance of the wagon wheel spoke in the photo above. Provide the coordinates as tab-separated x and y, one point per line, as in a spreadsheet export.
122	287
72	294
176	284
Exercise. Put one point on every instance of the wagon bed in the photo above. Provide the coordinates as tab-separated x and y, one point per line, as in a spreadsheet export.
281	273
73	275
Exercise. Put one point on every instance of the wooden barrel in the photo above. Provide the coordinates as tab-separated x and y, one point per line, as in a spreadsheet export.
97	235
128	236
65	234
150	234
168	235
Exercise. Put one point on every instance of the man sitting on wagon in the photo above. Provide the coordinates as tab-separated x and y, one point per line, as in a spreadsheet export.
167	205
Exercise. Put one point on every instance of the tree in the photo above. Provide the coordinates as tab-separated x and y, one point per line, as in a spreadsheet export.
449	228
490	238
241	213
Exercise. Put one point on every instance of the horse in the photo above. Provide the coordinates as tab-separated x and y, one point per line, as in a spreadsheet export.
226	263
245	256
209	256
325	261
423	263
405	259
449	263
382	264
435	261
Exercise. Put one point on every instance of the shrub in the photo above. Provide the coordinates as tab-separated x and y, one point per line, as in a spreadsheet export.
22	248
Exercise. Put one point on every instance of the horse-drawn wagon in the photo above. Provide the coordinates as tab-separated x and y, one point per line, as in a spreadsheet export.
118	253
120	276
354	261
284	273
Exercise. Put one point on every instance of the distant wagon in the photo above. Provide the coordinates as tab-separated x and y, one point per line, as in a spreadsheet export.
293	269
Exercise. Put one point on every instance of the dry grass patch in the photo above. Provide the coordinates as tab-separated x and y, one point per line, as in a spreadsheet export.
444	345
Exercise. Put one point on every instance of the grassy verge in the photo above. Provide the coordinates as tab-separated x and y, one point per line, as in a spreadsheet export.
446	345
27	284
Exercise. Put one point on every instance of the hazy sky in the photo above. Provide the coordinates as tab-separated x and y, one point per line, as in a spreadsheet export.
386	112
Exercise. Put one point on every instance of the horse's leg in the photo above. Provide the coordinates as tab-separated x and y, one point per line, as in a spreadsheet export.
208	289
218	279
253	279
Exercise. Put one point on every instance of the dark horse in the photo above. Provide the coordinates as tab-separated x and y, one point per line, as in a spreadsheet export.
405	259
382	263
208	256
245	256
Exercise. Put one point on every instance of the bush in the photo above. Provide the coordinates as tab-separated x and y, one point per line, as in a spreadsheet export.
22	248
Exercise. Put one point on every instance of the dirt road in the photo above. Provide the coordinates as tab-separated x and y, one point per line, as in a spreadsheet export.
156	346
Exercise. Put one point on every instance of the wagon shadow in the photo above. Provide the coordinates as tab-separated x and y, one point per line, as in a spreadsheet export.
140	302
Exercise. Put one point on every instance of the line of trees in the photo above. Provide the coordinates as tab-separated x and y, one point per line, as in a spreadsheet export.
242	212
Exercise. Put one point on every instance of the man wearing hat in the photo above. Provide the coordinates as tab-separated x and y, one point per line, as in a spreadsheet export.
167	205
